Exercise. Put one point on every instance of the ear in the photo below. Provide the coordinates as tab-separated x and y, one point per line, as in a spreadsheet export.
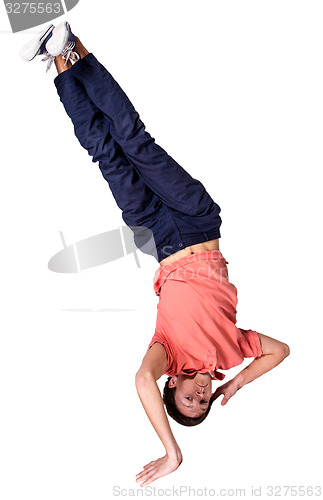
172	383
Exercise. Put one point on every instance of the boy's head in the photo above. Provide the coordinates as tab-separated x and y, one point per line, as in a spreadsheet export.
188	398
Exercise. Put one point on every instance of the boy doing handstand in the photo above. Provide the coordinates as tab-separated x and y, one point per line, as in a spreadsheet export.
174	219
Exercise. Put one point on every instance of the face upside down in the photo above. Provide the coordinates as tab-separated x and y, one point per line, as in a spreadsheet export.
188	398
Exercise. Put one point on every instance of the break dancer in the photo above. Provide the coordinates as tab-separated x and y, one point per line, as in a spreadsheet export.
175	220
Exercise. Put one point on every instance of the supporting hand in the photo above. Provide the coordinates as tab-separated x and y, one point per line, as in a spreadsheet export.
159	468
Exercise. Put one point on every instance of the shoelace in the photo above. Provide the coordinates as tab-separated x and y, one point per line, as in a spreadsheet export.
69	54
50	59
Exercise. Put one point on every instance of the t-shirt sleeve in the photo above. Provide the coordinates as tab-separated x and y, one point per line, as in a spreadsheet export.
158	337
249	343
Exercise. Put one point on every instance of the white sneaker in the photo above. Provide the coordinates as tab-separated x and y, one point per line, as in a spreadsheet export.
37	45
62	42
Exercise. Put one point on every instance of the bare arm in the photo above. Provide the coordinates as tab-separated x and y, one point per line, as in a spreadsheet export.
273	353
153	366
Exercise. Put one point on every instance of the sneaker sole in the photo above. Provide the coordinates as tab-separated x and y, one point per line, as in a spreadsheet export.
58	40
31	49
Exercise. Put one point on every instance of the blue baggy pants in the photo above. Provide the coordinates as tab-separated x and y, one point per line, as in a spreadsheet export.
156	195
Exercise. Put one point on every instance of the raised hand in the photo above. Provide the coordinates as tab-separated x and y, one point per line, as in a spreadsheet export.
228	390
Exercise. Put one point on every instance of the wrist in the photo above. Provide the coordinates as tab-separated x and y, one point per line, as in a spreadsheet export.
239	380
174	454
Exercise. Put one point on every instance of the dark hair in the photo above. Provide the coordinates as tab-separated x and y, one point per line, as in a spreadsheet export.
169	401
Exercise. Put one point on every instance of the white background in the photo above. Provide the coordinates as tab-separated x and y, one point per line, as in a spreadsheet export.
233	91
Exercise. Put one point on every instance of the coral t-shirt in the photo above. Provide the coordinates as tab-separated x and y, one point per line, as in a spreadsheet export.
196	318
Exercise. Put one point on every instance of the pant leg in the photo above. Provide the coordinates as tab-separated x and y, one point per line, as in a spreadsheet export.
155	232
174	186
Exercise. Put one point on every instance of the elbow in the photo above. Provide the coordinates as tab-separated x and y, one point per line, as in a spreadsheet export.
138	379
286	350
141	379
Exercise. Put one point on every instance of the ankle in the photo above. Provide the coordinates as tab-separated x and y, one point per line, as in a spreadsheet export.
79	48
61	64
